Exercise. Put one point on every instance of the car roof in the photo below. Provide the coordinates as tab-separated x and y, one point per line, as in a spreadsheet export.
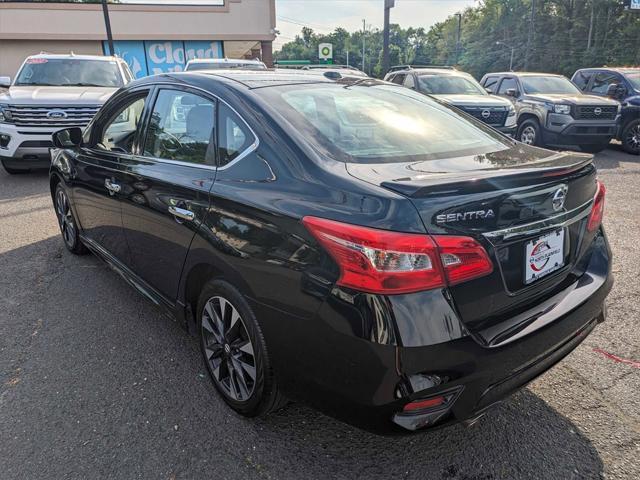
224	60
524	74
104	58
259	78
613	69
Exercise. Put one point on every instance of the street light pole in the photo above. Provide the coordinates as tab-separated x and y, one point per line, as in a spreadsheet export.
512	51
364	31
459	15
107	24
388	5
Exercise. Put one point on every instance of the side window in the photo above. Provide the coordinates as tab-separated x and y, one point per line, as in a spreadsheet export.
233	136
128	76
181	128
506	84
602	81
399	78
491	83
119	131
409	82
581	79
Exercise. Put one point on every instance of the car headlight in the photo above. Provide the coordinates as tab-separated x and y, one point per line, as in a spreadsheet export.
512	111
562	109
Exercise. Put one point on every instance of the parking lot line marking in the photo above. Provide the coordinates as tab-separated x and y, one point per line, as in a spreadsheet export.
616	358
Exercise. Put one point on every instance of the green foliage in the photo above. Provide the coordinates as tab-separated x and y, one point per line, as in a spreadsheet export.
566	35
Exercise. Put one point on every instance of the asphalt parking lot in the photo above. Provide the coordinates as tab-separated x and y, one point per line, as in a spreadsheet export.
96	383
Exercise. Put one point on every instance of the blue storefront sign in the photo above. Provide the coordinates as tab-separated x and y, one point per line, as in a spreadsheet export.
151	57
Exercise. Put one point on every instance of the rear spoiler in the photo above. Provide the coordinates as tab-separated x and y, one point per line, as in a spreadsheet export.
560	164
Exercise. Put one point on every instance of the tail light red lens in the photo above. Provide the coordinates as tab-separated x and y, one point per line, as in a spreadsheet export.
597	211
463	258
380	261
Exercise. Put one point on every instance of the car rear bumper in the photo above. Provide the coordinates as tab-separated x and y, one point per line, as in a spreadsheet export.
349	372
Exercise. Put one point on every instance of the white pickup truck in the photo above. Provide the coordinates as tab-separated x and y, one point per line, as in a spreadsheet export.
51	92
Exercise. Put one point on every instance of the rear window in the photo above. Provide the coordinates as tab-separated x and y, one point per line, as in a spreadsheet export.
382	123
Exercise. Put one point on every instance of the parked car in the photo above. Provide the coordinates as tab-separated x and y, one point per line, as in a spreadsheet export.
622	84
350	244
223	63
51	92
553	111
460	90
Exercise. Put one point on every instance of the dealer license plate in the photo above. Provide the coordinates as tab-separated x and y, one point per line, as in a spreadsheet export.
543	256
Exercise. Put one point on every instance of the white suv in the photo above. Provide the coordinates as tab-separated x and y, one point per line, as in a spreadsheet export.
51	92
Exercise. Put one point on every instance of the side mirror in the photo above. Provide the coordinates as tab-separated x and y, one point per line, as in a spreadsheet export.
616	91
511	92
68	138
5	82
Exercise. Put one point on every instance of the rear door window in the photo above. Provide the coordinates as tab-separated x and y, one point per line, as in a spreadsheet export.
182	128
581	79
491	84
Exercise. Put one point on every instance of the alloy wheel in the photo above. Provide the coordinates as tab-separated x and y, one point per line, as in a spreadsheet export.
65	218
528	135
228	349
633	137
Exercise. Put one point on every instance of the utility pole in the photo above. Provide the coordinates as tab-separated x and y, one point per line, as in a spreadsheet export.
591	25
388	5
530	36
512	51
364	32
107	24
459	15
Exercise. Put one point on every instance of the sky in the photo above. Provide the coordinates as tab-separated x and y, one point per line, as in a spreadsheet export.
325	15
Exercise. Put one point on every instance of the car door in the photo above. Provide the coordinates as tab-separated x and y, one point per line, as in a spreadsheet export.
167	184
98	176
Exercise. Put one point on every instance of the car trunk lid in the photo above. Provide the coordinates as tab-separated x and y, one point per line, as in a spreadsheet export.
512	202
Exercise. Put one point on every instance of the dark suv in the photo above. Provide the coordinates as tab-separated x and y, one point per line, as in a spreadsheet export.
552	111
460	90
349	243
622	84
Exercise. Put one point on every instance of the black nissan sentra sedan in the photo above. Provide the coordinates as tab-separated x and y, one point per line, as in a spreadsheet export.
347	242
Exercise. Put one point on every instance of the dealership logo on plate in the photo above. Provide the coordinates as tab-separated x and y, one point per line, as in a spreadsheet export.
541	254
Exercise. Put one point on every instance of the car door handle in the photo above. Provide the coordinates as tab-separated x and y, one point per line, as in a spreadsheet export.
182	213
112	187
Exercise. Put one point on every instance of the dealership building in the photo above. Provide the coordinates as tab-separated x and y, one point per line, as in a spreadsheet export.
152	38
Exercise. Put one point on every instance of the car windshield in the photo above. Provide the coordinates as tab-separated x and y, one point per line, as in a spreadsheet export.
69	72
378	123
548	85
219	65
449	85
634	79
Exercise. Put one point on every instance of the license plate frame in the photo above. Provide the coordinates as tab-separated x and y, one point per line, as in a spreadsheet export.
544	255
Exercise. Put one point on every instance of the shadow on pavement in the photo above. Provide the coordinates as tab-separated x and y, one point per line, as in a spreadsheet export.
102	385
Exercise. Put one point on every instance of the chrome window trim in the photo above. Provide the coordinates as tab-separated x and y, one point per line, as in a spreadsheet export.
560	220
250	149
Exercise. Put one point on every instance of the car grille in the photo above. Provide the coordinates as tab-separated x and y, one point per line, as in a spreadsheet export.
52	116
607	112
495	116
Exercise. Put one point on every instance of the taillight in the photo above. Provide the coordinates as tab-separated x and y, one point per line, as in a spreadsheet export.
462	258
597	211
380	261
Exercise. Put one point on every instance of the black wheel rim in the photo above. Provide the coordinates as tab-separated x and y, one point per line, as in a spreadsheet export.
65	218
228	349
633	138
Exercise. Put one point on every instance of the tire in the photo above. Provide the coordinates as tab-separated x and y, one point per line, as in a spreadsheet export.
631	138
594	148
234	351
67	222
530	133
14	171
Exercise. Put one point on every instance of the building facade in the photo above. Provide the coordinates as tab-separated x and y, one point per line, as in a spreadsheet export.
151	38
